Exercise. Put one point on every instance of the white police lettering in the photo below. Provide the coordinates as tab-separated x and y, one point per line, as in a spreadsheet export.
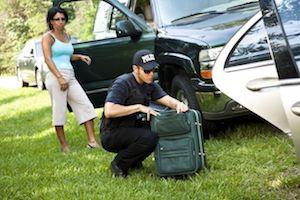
148	58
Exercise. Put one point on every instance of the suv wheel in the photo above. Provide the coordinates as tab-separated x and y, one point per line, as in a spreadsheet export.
39	81
20	79
183	91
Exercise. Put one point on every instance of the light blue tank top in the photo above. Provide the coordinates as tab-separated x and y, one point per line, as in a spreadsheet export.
61	54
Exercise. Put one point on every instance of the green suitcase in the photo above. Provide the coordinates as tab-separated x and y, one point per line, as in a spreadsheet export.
180	148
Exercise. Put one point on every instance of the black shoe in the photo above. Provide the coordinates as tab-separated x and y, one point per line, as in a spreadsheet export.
137	166
117	171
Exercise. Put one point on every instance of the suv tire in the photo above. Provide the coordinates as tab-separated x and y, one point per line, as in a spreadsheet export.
183	91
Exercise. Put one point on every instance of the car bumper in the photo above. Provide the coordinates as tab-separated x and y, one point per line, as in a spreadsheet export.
215	105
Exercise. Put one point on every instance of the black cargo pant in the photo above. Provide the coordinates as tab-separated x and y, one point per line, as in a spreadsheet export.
132	144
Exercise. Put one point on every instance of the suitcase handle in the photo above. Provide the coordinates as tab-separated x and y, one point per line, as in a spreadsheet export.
201	149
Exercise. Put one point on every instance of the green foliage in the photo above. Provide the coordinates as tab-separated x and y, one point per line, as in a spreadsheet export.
17	29
69	8
24	19
81	23
250	160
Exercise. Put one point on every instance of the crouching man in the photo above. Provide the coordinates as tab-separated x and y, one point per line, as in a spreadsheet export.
122	129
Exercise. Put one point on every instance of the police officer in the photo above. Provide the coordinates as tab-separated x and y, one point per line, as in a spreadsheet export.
122	130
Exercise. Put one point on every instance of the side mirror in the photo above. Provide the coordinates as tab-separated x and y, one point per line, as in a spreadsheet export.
125	28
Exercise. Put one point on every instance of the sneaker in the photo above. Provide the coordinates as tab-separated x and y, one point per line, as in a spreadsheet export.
116	170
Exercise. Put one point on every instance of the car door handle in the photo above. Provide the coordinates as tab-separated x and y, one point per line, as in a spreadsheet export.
296	109
269	82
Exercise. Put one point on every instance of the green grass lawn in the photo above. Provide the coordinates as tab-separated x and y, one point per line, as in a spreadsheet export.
250	160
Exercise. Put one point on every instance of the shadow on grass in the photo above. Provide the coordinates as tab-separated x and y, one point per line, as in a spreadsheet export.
27	123
15	98
231	126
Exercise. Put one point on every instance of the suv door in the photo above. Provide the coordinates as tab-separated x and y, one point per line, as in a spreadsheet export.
245	71
96	30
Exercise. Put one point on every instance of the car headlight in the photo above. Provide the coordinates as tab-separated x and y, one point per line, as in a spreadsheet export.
207	58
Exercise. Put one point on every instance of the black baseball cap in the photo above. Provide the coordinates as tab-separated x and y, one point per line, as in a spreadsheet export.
145	58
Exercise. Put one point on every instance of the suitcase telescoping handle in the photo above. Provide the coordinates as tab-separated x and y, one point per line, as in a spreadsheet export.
198	126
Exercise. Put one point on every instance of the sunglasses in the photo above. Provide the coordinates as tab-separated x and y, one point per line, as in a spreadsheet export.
59	19
152	70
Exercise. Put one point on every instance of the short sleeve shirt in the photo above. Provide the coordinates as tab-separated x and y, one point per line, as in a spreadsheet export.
125	90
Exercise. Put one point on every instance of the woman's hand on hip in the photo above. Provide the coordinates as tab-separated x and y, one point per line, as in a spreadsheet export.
63	83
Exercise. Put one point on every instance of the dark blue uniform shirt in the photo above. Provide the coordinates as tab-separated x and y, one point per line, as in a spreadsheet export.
126	91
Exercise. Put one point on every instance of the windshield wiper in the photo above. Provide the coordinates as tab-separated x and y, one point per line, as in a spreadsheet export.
244	5
198	13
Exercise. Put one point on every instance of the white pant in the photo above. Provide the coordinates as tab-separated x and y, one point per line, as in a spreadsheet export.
74	95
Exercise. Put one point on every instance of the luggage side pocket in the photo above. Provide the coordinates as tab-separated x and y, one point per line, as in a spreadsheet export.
175	156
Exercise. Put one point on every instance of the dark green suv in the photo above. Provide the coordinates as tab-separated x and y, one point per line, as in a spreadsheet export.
186	37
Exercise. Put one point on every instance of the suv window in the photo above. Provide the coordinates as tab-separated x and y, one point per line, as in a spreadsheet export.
106	18
116	16
252	48
143	9
97	20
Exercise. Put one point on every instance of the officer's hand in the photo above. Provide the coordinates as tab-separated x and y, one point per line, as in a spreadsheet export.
149	111
181	107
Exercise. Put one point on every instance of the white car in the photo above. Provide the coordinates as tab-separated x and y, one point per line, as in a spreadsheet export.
259	66
30	66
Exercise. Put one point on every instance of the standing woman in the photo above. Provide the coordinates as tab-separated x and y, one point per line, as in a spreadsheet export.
61	82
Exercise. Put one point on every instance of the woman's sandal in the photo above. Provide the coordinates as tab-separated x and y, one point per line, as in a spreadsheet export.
94	146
